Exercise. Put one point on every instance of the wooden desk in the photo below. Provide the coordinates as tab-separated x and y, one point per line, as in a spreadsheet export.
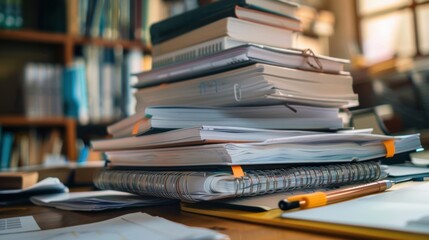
49	218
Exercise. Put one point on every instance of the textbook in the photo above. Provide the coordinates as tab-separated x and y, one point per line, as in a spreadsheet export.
190	20
196	136
238	29
269	117
239	57
192	186
317	148
258	84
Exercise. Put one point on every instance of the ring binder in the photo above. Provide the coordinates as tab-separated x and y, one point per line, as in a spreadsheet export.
209	185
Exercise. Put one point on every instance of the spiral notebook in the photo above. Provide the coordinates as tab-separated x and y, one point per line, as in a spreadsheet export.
192	186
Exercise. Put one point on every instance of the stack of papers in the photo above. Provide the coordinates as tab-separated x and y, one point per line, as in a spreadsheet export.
46	186
97	201
130	226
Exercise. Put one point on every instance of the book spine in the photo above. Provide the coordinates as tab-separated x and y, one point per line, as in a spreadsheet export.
255	182
182	23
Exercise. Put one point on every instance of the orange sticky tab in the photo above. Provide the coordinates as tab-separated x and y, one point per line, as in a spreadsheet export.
390	147
316	199
136	126
237	171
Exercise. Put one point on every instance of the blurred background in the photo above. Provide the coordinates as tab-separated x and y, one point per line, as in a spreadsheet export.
65	66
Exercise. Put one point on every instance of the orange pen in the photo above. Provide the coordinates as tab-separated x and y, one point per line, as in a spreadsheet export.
318	199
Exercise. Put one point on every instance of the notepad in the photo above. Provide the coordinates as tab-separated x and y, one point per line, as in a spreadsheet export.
406	209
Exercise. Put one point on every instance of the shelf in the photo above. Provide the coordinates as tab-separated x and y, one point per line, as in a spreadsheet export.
33	36
60	38
68	124
25	121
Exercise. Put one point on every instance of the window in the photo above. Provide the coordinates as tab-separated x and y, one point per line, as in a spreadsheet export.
390	28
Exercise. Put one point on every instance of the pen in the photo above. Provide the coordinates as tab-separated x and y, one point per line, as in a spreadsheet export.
317	199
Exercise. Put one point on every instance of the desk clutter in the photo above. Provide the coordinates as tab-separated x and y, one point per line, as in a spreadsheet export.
231	112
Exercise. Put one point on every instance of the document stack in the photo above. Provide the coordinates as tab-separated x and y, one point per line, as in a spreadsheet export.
230	109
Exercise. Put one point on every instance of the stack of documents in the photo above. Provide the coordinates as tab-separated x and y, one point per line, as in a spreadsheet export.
230	109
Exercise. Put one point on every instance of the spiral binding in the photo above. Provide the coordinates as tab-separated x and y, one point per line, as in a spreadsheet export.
175	184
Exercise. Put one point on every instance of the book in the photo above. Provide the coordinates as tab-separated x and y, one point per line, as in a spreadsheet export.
258	84
6	149
233	27
188	21
192	186
238	57
318	148
18	180
195	51
270	117
196	136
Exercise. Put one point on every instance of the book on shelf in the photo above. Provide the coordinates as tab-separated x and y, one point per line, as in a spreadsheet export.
196	136
232	27
270	117
197	18
199	185
318	148
238	57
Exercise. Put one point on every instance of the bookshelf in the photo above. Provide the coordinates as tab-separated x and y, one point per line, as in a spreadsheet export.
67	125
69	42
41	45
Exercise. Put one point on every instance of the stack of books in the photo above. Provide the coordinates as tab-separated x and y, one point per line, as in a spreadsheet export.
230	109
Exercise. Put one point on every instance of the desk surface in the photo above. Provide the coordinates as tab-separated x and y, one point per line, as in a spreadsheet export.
49	218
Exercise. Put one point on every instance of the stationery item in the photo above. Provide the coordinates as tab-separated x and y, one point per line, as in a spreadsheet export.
190	20
238	29
319	148
17	225
318	199
129	226
197	136
46	186
241	56
258	84
387	215
404	210
209	185
18	180
96	200
163	118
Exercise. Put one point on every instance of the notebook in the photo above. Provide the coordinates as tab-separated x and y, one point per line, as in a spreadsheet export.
257	84
387	215
318	148
238	57
209	185
164	118
200	135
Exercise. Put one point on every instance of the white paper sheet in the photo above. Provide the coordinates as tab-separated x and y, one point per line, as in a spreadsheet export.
17	225
130	226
